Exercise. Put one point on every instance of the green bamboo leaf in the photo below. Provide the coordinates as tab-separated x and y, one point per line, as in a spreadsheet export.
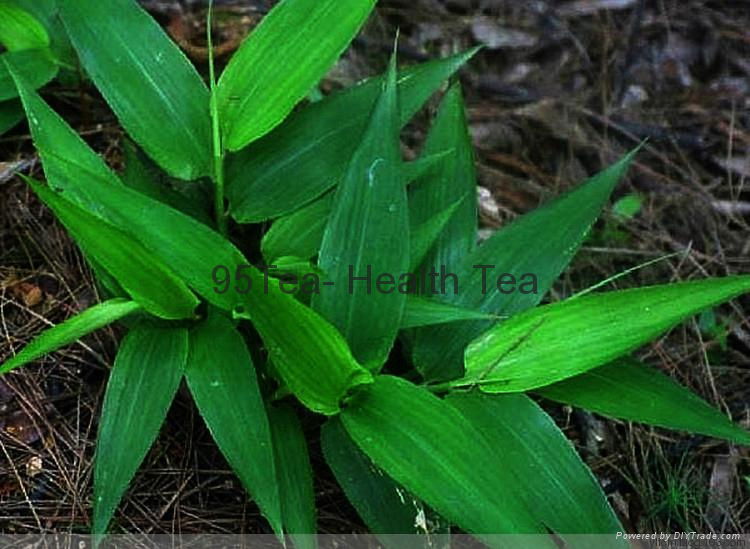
284	56
424	234
431	449
146	79
300	233
630	390
145	177
146	279
36	66
295	476
365	237
309	153
71	330
422	311
310	354
534	249
20	29
11	113
558	341
449	183
141	386
557	485
386	507
222	380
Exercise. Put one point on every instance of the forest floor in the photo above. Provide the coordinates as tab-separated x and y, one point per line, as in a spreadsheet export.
560	90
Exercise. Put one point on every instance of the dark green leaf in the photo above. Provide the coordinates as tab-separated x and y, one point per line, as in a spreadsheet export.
20	29
310	152
141	386
422	311
386	507
423	235
140	174
557	485
427	446
450	182
539	244
221	377
11	113
554	342
37	67
365	236
295	476
284	56
71	330
300	233
151	86
311	356
140	273
627	389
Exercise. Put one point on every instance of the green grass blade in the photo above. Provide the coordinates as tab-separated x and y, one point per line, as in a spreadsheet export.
141	386
139	272
295	476
147	81
281	59
222	380
423	311
309	153
630	390
20	29
385	507
431	449
366	234
558	341
36	66
310	354
540	243
557	485
71	330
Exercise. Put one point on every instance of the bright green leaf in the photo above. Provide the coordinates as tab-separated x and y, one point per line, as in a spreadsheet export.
36	66
138	271
557	485
422	311
154	90
558	341
20	29
310	152
295	476
141	386
71	330
284	56
539	244
310	354
386	507
365	236
222	380
431	449
627	389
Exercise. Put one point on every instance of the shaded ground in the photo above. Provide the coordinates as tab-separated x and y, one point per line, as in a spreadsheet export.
561	90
